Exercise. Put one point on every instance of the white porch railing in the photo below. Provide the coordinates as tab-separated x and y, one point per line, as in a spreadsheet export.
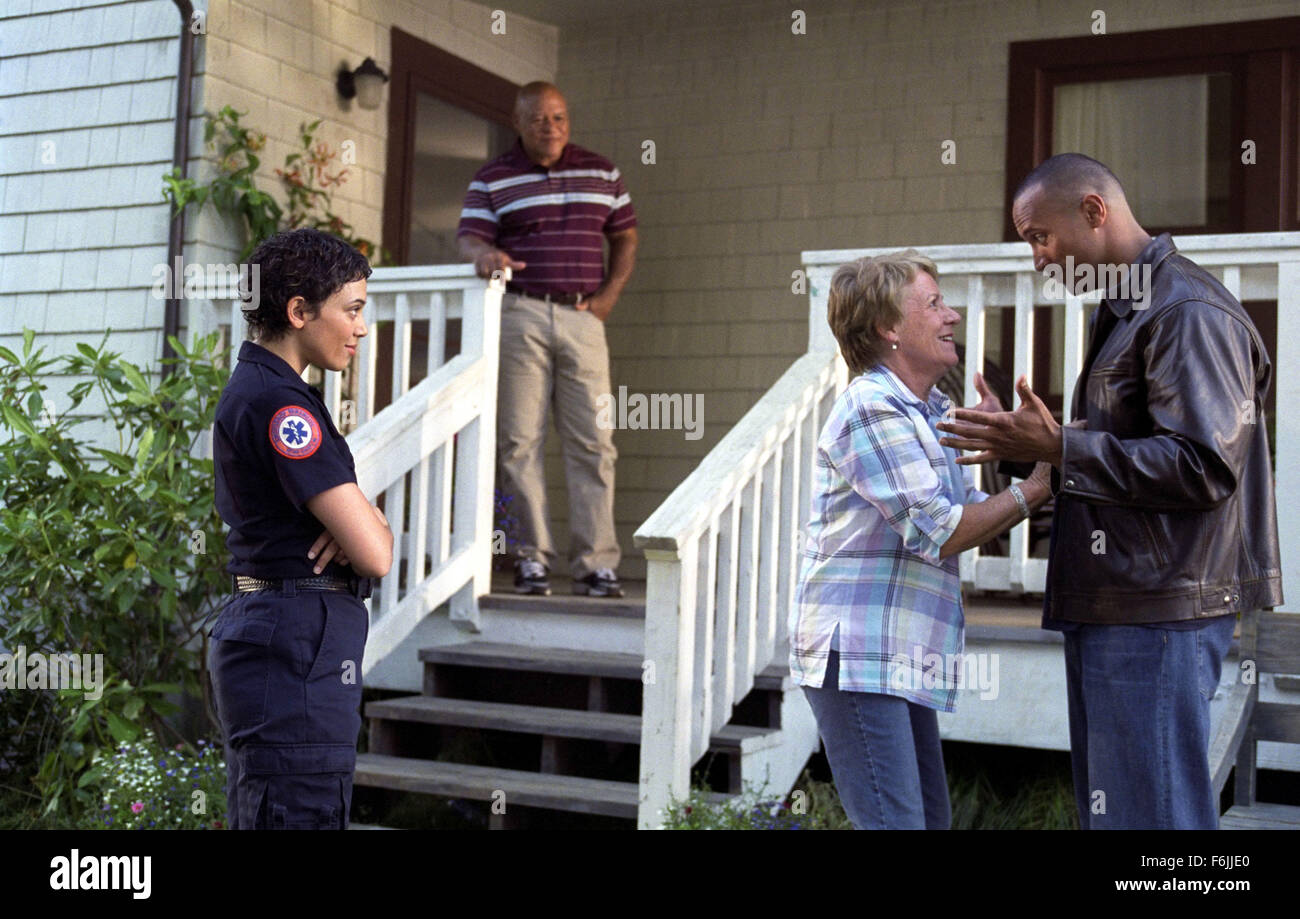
722	550
431	453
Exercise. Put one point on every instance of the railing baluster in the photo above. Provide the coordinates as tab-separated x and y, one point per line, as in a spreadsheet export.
706	562
1232	280
724	614
418	532
437	331
366	360
401	348
439	510
1023	366
787	538
976	346
750	504
771	614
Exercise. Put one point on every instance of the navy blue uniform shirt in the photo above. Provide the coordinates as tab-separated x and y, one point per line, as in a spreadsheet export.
274	448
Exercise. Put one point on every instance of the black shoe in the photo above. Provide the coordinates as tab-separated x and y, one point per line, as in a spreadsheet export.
602	582
530	578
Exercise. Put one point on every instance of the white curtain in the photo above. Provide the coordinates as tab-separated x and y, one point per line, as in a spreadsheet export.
1152	135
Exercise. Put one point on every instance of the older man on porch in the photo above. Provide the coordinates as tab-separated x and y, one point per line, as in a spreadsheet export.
543	210
879	596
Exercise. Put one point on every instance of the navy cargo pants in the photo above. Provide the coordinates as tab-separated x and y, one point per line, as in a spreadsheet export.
286	672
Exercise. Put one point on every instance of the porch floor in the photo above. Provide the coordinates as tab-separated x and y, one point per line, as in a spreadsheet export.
992	611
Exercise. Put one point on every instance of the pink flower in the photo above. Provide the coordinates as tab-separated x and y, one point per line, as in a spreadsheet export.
137	807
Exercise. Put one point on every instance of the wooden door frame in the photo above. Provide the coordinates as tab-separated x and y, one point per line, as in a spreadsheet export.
419	67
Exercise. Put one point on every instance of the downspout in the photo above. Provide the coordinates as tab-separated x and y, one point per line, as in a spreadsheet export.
180	158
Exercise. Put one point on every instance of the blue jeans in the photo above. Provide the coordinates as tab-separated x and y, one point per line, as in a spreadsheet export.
1139	703
885	756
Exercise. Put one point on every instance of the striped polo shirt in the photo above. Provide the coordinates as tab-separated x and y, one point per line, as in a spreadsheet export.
554	219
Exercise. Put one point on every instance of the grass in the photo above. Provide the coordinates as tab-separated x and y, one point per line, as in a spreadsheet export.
989	788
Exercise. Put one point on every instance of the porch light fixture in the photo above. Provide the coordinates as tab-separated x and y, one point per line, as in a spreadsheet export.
366	83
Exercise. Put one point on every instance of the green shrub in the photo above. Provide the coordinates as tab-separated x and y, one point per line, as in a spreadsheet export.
113	552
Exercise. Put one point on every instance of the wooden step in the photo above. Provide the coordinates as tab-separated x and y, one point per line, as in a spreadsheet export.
554	722
482	783
611	664
1261	817
565	604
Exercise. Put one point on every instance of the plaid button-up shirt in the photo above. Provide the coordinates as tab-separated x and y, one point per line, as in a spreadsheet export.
887	497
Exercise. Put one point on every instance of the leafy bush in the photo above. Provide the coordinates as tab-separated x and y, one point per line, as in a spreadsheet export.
107	552
305	176
142	786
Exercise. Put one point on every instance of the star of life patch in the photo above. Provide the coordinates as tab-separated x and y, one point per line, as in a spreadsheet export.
295	432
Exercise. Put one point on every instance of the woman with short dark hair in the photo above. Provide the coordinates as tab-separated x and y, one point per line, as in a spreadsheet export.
285	656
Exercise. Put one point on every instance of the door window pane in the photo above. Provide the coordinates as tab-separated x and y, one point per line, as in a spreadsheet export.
451	144
1164	137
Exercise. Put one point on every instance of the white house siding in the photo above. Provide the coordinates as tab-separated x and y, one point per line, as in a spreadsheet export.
770	143
86	103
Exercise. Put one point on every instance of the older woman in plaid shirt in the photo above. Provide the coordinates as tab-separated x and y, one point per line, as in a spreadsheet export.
876	629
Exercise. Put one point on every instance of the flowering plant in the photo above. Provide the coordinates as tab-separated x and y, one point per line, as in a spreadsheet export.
142	786
234	188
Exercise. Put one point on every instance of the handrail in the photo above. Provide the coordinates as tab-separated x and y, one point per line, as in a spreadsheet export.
722	556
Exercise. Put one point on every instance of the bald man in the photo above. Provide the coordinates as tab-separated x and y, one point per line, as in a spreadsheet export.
543	210
1165	525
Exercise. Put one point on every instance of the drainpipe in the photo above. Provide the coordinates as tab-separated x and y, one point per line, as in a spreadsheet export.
180	158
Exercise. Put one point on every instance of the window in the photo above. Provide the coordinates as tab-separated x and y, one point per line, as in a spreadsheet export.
1174	112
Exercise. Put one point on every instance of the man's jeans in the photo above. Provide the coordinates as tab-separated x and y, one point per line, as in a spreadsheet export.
885	756
555	356
1139	702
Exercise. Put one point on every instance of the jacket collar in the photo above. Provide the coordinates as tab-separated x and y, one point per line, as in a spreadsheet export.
1153	253
937	404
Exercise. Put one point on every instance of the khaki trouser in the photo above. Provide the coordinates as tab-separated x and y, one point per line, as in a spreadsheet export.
556	355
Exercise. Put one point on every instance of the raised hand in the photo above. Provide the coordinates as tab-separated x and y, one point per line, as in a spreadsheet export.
1030	433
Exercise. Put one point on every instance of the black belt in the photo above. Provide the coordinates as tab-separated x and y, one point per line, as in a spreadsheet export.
562	299
358	587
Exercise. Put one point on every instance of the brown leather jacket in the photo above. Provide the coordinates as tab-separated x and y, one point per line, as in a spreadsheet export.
1164	503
